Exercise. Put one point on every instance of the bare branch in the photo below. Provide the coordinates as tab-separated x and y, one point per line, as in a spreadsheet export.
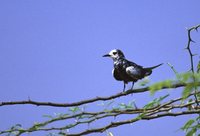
140	90
189	45
191	54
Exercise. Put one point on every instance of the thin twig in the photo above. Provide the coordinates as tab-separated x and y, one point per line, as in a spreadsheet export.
192	55
189	45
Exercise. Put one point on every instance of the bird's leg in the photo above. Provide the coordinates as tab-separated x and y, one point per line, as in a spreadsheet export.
132	86
124	86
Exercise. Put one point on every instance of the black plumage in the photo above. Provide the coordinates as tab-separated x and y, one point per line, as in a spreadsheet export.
127	71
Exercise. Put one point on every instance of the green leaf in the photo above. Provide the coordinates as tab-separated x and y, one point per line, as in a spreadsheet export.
198	67
83	116
74	109
13	132
158	86
155	87
155	102
187	90
109	103
150	105
131	105
186	76
48	116
172	67
162	98
140	116
197	77
115	109
122	106
192	132
188	124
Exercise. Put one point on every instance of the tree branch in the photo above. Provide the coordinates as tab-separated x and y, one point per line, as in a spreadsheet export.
116	124
140	90
191	54
189	45
94	116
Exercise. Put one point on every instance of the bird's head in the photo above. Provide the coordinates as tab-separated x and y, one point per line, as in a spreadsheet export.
115	54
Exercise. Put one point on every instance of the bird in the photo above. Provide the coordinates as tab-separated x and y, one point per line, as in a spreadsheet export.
127	71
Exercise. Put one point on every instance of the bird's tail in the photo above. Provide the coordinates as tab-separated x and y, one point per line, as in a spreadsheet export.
154	66
148	70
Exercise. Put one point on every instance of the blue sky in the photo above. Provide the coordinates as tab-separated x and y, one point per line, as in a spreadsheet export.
52	51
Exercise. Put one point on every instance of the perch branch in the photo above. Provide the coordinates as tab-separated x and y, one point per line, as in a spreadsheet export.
140	90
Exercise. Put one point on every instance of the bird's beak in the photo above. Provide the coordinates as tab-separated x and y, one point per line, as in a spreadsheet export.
107	55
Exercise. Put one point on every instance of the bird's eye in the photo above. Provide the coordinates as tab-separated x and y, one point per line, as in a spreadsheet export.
114	53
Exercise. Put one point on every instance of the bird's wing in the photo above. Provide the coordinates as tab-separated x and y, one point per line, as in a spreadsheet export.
116	75
135	72
130	63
